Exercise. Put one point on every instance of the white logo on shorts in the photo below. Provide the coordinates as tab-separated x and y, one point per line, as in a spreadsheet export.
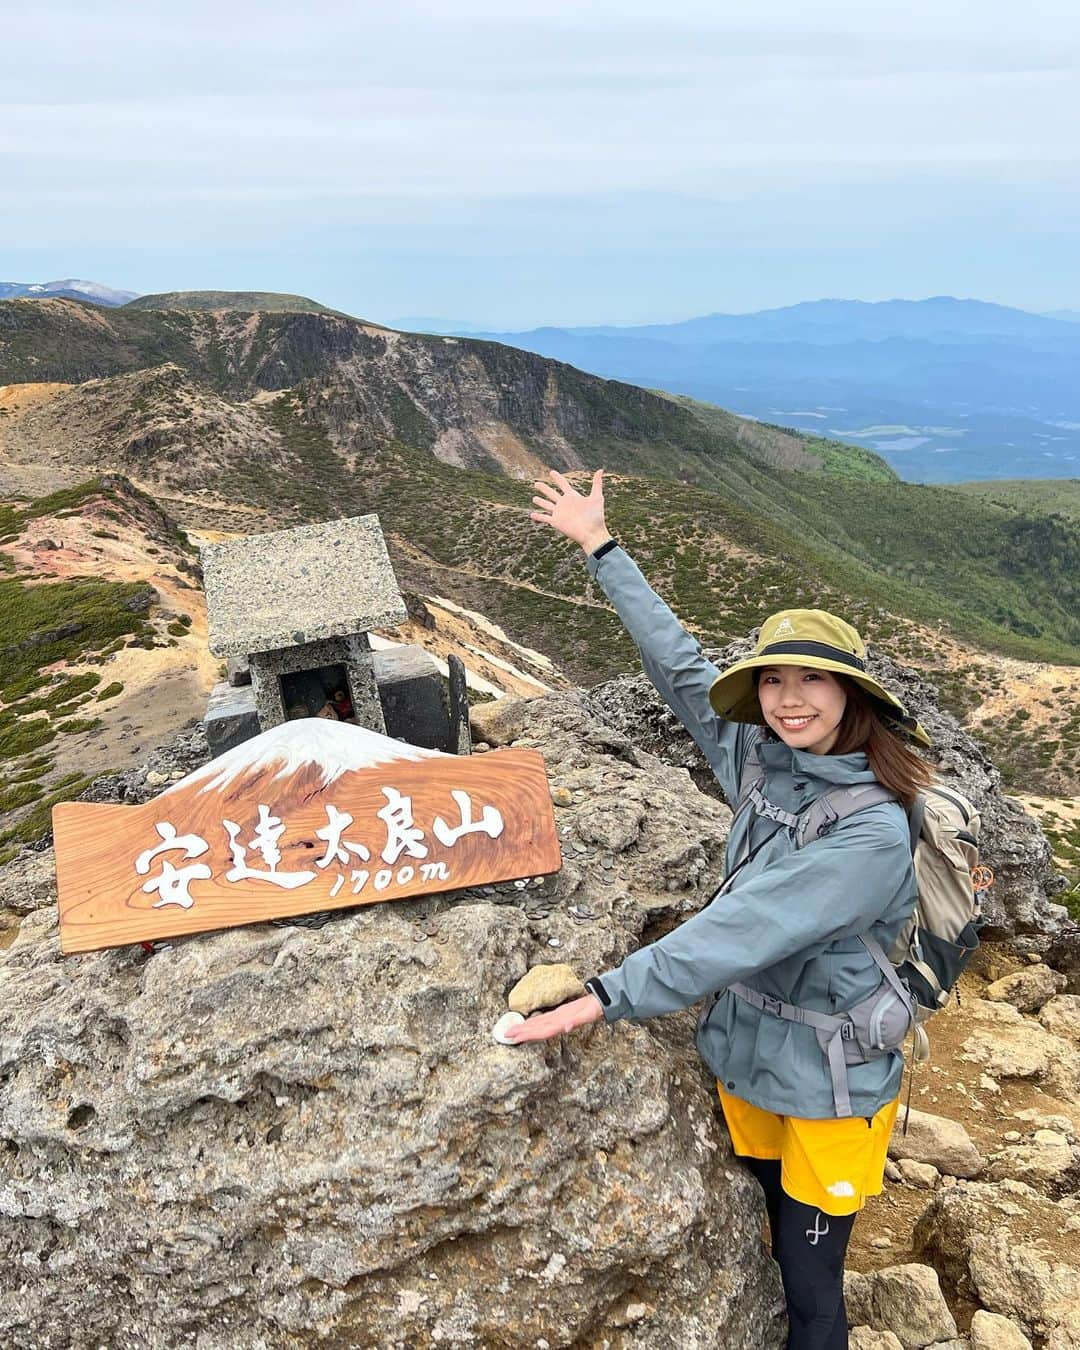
813	1235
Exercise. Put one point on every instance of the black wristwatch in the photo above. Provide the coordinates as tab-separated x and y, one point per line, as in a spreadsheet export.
598	991
605	547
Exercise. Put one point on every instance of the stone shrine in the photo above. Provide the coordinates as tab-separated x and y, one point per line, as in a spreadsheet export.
292	611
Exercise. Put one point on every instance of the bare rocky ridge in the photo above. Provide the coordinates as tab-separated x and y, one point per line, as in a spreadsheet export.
156	425
472	404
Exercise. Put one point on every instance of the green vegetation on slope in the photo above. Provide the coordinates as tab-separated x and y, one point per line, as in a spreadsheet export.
1041	496
787	448
1003	570
878	552
1062	829
73	621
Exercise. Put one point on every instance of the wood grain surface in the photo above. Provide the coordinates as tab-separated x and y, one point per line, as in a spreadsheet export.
195	859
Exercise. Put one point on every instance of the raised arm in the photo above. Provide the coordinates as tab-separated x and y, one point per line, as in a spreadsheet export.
671	657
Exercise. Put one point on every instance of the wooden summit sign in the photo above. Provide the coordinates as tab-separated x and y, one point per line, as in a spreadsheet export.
308	816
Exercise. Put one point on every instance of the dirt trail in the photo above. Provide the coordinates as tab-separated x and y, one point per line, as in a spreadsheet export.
417	555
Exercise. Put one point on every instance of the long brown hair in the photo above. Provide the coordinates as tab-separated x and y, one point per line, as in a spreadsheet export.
895	765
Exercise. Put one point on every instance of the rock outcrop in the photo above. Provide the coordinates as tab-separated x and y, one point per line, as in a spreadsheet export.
281	1134
1010	1250
1009	1045
904	1300
301	1132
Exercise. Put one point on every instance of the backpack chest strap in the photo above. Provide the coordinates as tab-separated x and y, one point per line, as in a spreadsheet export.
763	807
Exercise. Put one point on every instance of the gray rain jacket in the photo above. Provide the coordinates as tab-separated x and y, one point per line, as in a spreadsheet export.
789	926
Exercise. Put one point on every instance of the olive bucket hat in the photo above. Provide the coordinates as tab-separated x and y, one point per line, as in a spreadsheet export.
807	637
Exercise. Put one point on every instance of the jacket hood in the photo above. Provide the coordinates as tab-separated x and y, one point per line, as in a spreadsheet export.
835	770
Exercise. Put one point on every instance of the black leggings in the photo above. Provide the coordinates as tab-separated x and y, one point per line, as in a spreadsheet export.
809	1248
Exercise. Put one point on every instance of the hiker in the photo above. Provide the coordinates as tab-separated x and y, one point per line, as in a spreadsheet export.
779	954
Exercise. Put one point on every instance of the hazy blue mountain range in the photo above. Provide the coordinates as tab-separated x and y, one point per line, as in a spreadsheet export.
70	289
943	389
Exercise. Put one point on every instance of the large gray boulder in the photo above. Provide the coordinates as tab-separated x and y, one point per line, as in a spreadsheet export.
1010	1250
291	1134
906	1300
935	1141
1012	842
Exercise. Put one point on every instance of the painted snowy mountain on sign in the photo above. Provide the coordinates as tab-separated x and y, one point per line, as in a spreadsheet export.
312	745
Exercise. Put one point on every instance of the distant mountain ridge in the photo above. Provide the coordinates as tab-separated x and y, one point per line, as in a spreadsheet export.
250	302
827	321
303	416
474	404
943	389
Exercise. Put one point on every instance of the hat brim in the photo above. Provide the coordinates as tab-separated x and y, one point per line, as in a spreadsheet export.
733	694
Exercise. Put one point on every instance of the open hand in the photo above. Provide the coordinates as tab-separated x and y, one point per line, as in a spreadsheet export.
579	517
579	1012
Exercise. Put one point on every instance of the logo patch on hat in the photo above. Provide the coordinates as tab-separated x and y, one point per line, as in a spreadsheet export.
784	626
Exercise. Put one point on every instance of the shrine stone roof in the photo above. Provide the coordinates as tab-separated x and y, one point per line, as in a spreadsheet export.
267	591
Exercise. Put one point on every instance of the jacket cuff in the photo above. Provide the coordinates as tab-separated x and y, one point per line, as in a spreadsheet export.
611	1001
596	557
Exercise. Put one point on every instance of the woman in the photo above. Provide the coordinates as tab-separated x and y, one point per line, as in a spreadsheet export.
781	951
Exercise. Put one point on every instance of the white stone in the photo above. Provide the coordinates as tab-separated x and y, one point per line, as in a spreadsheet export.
1050	1138
923	1176
503	1025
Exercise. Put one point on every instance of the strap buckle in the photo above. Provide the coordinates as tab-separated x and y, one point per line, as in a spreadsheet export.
772	1004
847	1031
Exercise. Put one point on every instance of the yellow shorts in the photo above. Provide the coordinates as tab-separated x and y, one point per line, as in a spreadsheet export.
830	1164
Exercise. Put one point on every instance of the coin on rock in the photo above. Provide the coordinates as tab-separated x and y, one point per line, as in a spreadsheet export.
503	1025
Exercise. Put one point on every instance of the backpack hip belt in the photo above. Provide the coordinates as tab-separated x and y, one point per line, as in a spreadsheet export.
875	1026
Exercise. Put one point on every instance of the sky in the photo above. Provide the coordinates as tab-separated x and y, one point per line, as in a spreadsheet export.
512	163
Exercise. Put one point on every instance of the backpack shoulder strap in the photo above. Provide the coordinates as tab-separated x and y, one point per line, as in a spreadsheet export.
915	820
824	813
960	802
751	775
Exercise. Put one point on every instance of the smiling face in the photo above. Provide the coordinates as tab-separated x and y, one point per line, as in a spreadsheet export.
803	706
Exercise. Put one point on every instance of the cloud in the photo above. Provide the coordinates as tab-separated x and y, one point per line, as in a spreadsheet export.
427	129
